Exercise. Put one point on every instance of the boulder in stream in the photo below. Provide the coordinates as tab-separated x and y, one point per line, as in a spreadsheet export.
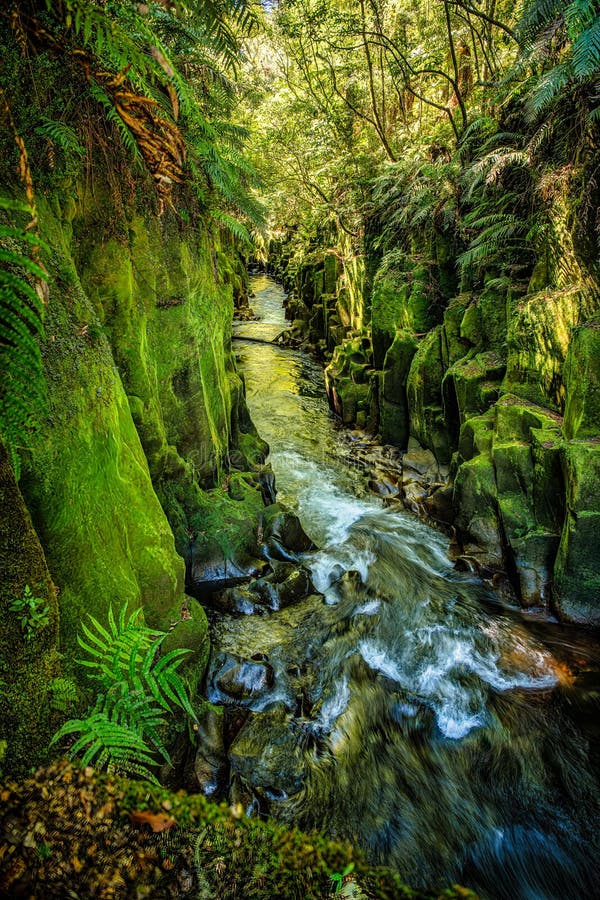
240	679
266	755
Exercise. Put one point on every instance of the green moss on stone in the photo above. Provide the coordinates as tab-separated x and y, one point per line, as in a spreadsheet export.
476	501
582	382
423	388
27	668
577	571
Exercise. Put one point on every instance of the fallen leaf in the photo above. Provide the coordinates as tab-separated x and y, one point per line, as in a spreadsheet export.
157	821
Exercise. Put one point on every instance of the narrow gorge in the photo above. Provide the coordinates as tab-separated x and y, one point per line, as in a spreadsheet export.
299	449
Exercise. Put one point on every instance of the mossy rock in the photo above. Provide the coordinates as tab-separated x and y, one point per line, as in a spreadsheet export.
396	366
516	418
454	346
533	556
225	535
475	500
330	273
582	382
577	569
388	311
513	464
28	665
548	481
423	389
471	326
189	631
476	435
538	337
493	306
469	387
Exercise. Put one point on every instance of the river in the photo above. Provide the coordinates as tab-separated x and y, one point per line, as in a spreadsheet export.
451	738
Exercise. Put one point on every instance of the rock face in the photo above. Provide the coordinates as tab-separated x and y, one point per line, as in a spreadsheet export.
500	382
147	449
29	664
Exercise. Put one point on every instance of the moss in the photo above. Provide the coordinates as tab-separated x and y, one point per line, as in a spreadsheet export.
515	419
87	483
423	388
513	465
105	846
577	574
582	382
330	274
27	719
538	336
471	384
476	501
190	632
225	527
476	435
471	326
454	346
548	482
393	402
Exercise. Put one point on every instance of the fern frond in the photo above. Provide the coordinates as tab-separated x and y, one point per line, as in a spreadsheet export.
231	224
547	88
586	51
22	385
62	135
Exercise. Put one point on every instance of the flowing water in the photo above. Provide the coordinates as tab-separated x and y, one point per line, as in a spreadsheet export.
451	738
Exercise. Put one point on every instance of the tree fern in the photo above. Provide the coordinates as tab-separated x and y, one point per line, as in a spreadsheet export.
22	386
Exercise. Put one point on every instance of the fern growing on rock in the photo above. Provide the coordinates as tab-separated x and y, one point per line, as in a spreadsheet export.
22	386
123	730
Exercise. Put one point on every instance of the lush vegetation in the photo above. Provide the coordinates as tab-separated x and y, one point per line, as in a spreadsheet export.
435	168
380	120
124	730
80	78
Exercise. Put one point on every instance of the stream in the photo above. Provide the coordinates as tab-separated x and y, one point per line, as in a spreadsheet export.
451	738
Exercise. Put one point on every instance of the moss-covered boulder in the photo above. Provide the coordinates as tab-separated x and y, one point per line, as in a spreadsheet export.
476	502
87	483
577	570
538	336
476	436
400	299
582	382
424	394
29	658
393	401
348	380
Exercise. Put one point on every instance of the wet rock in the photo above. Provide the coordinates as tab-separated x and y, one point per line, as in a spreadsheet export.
420	461
283	534
244	679
297	586
439	505
415	495
266	755
210	573
242	795
209	769
285	584
266	482
384	484
236	601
